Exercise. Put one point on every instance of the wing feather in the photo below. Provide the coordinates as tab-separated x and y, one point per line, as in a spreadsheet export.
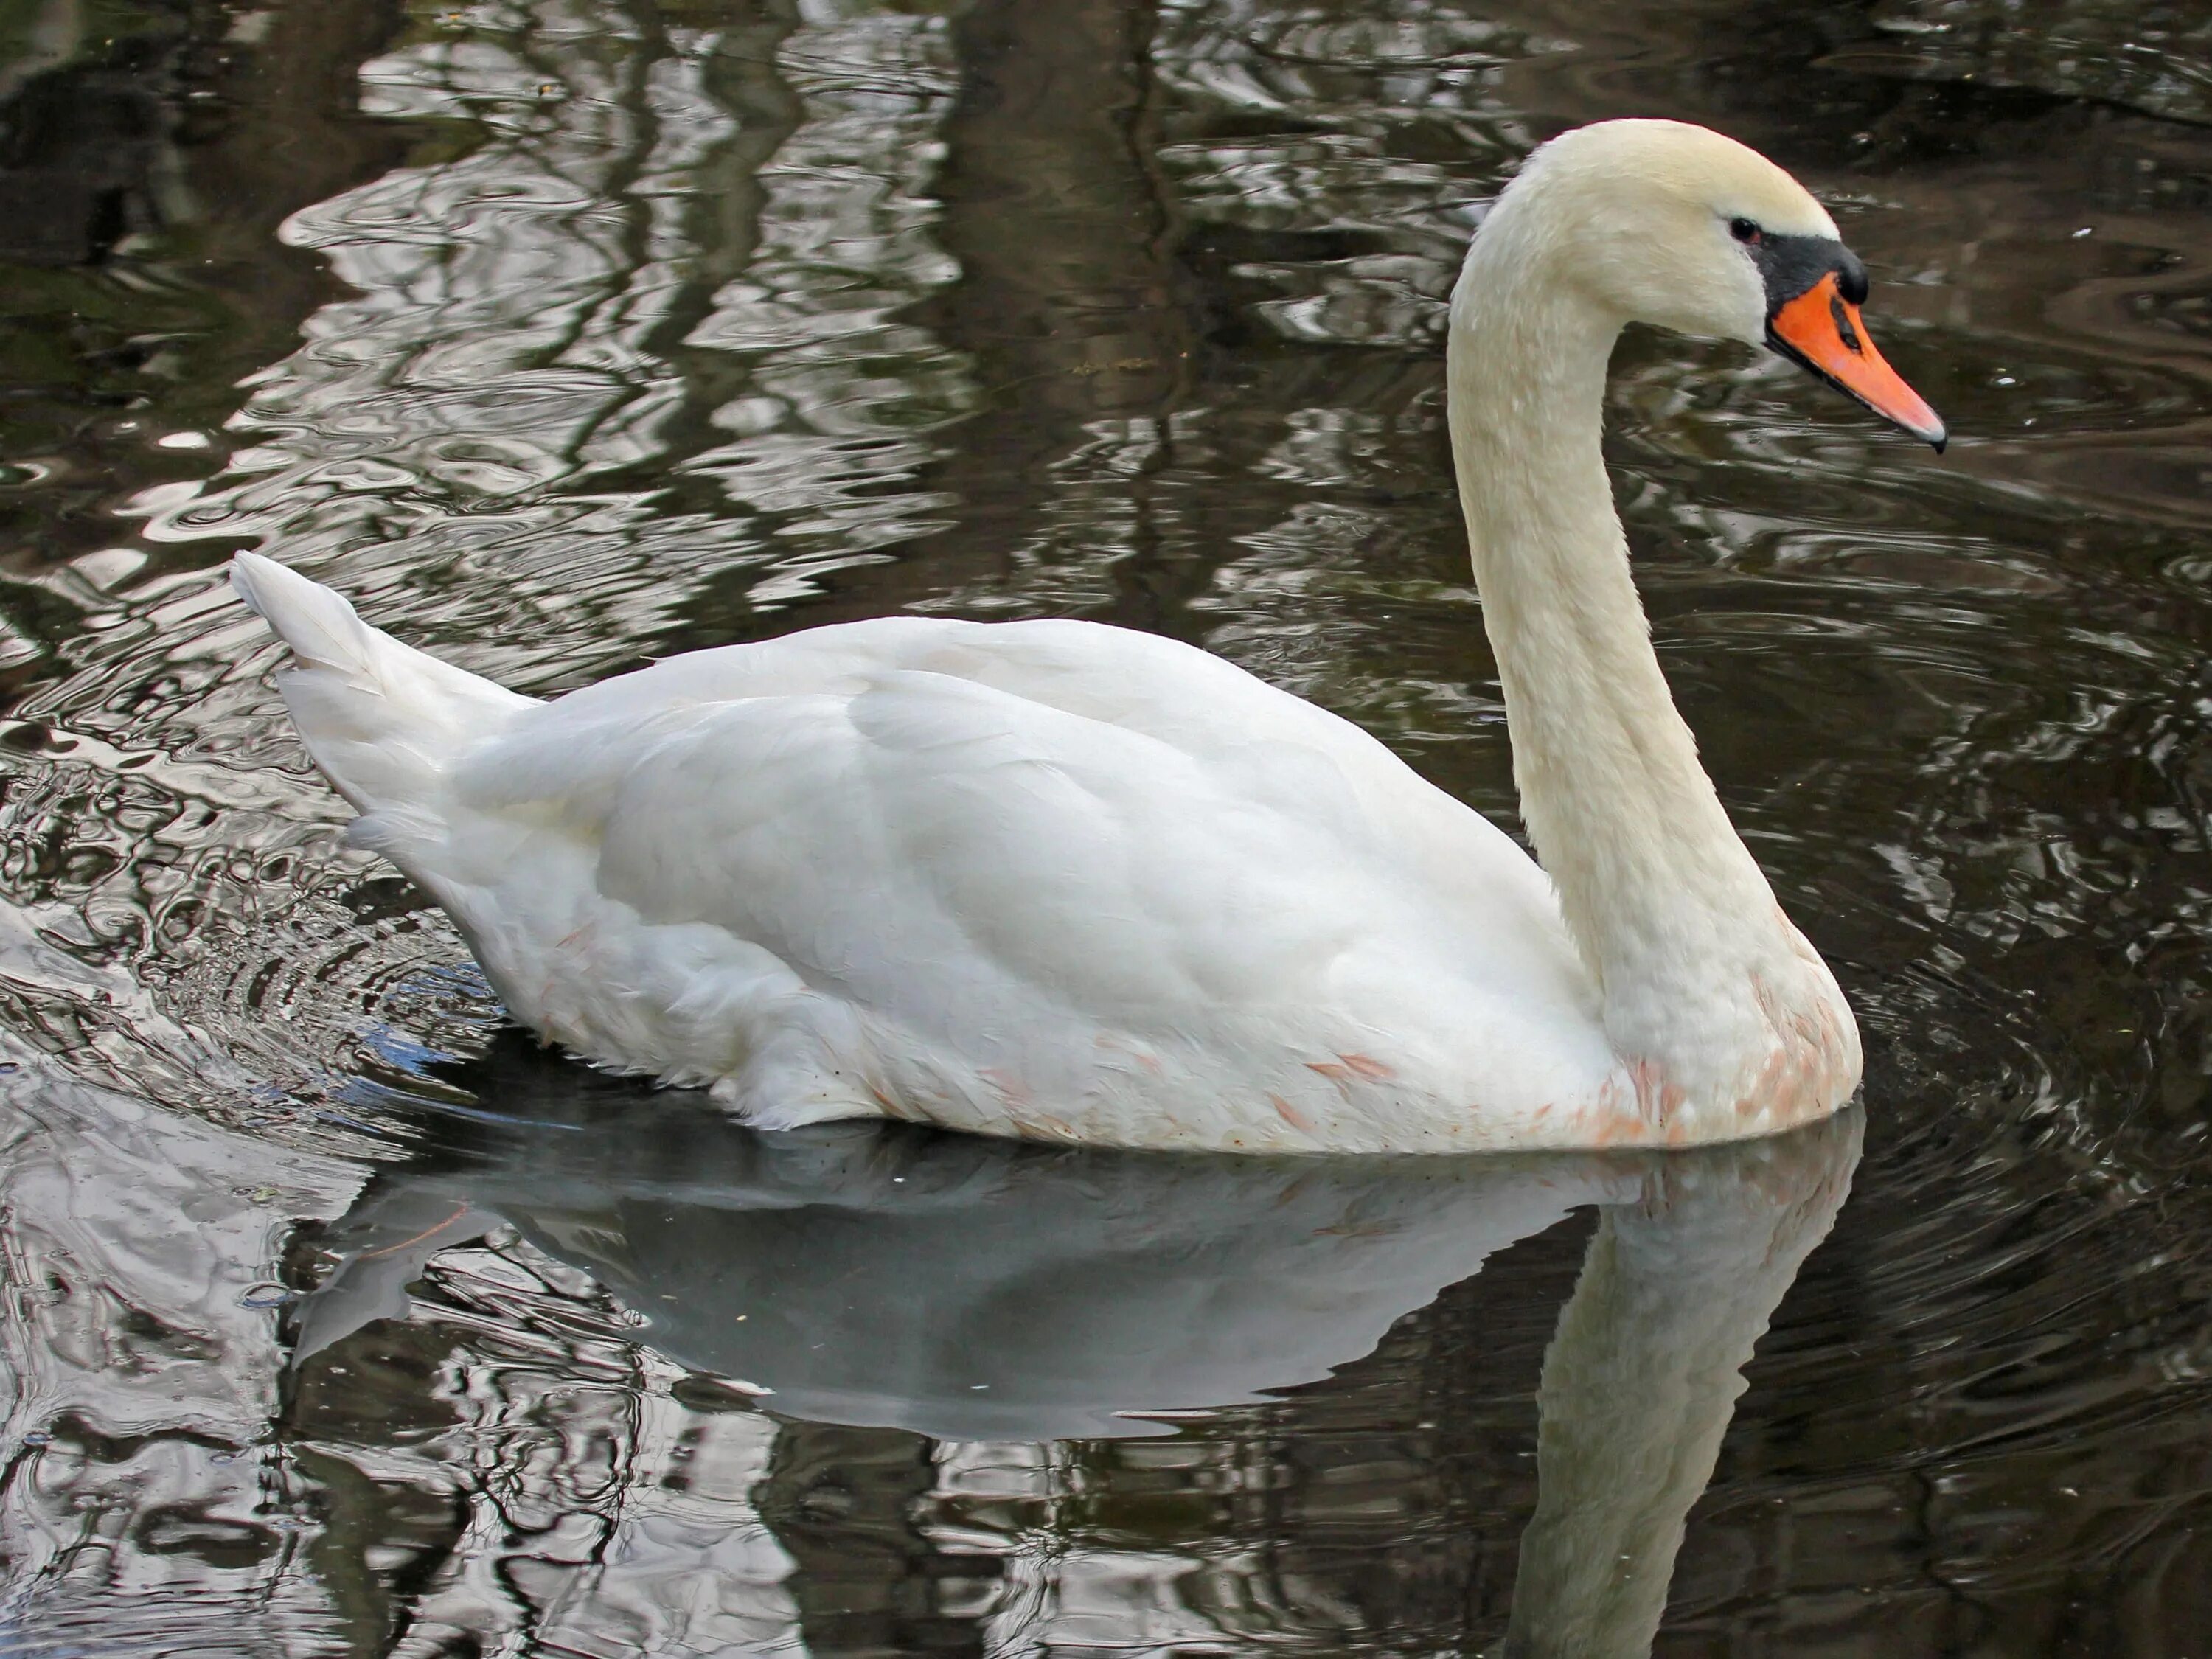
1011	840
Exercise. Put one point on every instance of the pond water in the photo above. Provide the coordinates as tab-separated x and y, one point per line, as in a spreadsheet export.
564	334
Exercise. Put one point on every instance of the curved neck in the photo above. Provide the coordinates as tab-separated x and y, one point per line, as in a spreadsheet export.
1663	900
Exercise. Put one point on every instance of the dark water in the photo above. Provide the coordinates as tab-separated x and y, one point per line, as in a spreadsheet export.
340	1322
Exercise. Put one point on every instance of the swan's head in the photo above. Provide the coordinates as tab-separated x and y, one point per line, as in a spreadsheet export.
1662	223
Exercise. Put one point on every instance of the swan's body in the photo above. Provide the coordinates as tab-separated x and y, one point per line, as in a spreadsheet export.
1055	878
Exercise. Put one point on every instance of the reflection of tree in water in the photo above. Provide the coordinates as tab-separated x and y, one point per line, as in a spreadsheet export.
1309	169
673	251
135	1514
2154	54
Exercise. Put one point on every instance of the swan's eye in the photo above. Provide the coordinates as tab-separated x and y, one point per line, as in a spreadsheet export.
1745	231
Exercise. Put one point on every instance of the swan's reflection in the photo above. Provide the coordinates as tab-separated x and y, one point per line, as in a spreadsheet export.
976	1289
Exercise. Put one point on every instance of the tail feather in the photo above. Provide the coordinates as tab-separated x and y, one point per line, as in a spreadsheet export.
381	719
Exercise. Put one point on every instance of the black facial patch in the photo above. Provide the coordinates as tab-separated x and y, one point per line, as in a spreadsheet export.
1791	264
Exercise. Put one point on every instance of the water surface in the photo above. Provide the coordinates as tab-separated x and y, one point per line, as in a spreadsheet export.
565	335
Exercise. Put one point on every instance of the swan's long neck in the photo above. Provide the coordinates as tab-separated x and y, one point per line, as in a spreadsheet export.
1663	900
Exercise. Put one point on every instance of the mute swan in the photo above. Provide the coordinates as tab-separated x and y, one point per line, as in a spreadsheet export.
1058	879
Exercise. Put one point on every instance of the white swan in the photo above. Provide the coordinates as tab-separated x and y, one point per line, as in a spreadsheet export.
1053	878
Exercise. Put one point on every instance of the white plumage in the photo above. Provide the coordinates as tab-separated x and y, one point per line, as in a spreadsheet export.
1060	879
1032	878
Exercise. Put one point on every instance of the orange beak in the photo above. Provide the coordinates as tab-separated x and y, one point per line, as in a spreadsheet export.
1822	330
